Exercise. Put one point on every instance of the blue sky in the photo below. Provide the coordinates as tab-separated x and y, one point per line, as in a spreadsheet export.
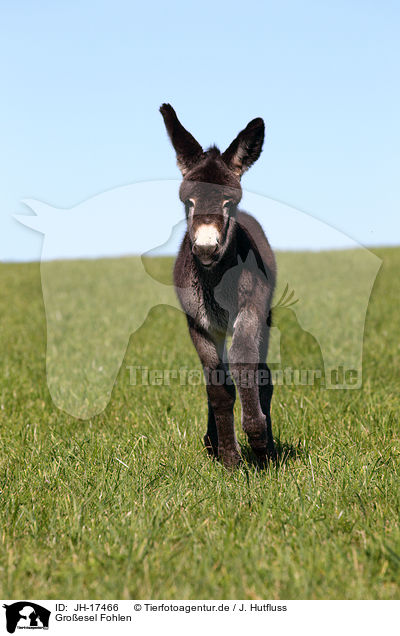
82	83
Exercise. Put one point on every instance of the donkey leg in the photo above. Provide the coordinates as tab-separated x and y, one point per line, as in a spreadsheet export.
266	390
211	437
221	397
245	357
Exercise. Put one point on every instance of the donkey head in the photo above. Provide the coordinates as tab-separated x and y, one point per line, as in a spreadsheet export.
211	188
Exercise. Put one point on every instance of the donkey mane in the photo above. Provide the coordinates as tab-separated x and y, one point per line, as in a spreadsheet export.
212	169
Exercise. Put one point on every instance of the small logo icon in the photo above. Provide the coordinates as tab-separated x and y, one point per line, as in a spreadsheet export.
26	615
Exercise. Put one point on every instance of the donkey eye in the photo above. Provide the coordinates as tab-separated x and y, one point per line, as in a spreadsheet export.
227	205
189	203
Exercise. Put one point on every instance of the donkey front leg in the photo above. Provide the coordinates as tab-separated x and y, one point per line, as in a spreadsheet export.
246	359
220	438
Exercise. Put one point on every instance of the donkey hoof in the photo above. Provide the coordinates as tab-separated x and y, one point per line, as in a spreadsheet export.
263	449
268	455
230	458
211	448
272	455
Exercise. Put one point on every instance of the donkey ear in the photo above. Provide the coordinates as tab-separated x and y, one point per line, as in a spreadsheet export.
187	149
246	148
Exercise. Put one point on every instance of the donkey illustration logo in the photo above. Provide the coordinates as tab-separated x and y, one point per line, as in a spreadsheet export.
93	306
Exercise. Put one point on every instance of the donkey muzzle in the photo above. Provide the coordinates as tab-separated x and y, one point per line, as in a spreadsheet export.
205	253
206	243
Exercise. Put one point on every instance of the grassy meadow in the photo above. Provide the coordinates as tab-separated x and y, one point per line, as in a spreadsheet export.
126	504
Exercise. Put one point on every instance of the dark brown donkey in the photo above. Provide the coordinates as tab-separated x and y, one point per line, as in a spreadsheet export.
224	277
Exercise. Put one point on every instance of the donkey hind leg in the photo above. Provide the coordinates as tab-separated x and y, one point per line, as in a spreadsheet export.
211	437
266	390
221	398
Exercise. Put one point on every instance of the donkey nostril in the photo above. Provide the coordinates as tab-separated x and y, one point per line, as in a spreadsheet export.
204	250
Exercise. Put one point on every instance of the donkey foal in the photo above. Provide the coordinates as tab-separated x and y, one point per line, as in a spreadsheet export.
224	277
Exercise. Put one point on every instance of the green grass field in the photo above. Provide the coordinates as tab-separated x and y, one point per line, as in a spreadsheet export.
78	523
